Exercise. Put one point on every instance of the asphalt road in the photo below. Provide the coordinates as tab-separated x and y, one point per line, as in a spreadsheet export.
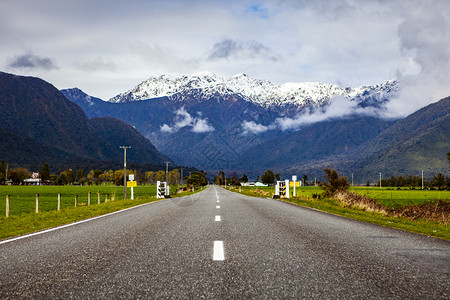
221	245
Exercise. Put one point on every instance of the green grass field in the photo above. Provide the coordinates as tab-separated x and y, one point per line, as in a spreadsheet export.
23	219
395	198
389	197
23	198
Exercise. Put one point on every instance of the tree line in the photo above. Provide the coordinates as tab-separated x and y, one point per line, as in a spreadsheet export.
78	177
439	181
269	177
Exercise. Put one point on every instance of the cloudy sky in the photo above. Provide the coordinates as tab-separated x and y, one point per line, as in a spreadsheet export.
106	47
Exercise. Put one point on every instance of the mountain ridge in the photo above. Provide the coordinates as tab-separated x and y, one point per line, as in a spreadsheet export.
34	112
260	92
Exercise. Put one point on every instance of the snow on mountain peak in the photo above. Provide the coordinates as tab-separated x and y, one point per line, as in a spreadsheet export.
204	85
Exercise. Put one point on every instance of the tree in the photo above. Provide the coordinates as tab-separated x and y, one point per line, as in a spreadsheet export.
66	177
438	181
96	176
118	177
18	175
2	172
305	180
448	157
268	177
234	179
334	183
45	174
150	177
173	177
220	179
80	176
197	179
244	178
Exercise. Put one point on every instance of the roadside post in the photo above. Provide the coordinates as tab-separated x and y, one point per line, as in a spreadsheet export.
294	179
160	189
7	206
286	184
282	189
131	183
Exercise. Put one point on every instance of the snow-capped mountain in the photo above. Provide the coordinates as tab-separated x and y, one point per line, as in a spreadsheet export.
261	92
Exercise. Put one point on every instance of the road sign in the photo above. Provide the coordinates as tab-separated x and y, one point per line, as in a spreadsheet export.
131	177
294	177
131	183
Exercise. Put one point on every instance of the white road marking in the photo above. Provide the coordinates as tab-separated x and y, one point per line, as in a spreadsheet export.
217	196
218	251
218	201
217	218
217	206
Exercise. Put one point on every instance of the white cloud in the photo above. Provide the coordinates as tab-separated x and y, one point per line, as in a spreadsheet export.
340	107
201	126
166	128
253	127
183	119
425	41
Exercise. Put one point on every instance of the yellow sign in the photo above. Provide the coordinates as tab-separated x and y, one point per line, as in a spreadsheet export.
131	183
297	183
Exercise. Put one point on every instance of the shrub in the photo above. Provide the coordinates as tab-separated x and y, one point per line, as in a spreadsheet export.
334	183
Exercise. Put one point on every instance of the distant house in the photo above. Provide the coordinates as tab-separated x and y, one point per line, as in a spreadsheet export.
253	184
32	181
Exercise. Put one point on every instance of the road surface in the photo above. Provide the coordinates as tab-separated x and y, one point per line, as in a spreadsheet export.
221	245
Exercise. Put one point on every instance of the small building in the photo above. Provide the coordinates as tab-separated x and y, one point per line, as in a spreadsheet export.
32	181
253	184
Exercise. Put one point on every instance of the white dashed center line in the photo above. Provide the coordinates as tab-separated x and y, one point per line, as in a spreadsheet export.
217	206
217	218
218	251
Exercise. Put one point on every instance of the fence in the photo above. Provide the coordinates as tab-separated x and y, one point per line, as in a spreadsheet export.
58	198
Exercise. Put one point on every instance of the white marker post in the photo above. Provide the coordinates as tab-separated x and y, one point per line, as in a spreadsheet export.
287	188
294	179
131	178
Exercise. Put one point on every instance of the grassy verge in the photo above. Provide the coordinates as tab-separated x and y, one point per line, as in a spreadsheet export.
305	198
25	222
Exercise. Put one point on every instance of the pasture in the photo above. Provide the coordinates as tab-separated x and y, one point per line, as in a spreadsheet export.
388	196
23	198
395	198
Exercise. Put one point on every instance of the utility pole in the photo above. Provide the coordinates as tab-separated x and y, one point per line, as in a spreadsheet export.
125	170
422	179
167	170
352	179
380	180
182	176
